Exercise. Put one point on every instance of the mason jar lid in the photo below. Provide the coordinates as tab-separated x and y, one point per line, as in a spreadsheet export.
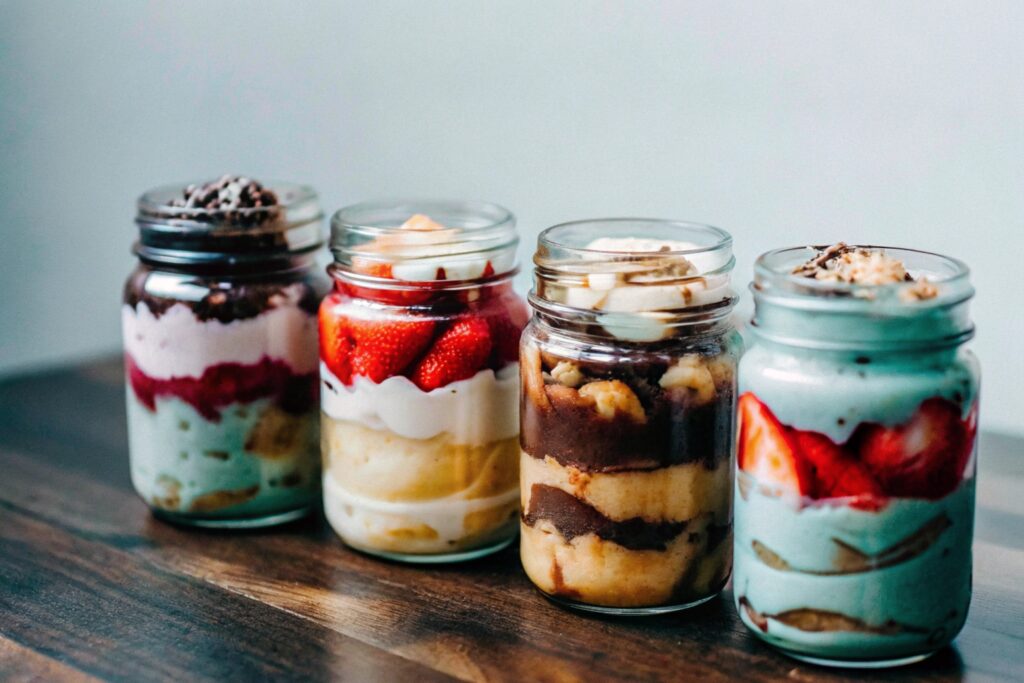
640	279
399	242
174	230
928	309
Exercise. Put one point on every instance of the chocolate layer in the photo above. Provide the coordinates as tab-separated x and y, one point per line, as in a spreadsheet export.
223	301
574	517
676	431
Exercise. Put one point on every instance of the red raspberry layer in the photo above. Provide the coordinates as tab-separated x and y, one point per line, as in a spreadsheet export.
226	384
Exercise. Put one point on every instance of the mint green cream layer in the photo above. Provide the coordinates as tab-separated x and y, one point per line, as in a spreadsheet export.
178	455
907	581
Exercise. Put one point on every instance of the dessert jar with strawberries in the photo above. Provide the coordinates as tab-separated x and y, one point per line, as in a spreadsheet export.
220	340
627	404
420	380
857	421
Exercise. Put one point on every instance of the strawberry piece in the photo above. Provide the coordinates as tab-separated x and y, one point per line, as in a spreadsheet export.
383	348
506	318
335	341
766	450
837	474
923	458
458	353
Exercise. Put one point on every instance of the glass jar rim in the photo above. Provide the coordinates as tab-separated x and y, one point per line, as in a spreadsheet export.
470	232
548	237
773	277
800	312
195	235
577	284
154	204
384	216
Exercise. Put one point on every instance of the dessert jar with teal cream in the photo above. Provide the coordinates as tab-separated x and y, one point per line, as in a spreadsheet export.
856	455
220	341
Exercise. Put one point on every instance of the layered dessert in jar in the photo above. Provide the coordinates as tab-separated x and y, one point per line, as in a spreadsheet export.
628	393
220	340
857	444
420	380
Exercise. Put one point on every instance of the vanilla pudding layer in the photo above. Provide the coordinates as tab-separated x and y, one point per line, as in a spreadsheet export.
257	459
409	471
177	344
475	411
626	539
834	581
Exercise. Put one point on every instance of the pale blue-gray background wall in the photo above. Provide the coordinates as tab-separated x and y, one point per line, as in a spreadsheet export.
783	122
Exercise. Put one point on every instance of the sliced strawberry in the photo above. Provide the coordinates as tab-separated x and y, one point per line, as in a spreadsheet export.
837	474
385	347
335	341
766	451
458	353
923	458
506	318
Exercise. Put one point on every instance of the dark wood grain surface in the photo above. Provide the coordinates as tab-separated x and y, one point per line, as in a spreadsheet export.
92	587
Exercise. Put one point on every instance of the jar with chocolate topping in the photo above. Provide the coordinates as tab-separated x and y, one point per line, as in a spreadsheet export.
220	341
419	346
628	391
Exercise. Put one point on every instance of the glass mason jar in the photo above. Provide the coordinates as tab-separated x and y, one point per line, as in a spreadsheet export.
627	403
220	340
855	495
419	350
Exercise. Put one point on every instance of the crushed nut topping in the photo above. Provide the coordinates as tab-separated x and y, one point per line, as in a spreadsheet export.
612	397
857	265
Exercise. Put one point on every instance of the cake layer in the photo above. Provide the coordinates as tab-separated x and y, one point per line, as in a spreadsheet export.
588	569
176	343
673	494
449	524
475	411
384	466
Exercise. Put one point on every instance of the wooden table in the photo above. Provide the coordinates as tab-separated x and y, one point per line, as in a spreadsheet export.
91	586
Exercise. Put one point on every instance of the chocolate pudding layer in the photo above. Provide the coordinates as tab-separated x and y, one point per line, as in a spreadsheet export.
214	298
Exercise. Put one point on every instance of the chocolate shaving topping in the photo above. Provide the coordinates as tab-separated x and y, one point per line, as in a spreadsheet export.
230	199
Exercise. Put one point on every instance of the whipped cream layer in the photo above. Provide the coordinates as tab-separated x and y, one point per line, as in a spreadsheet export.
177	344
363	521
474	411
